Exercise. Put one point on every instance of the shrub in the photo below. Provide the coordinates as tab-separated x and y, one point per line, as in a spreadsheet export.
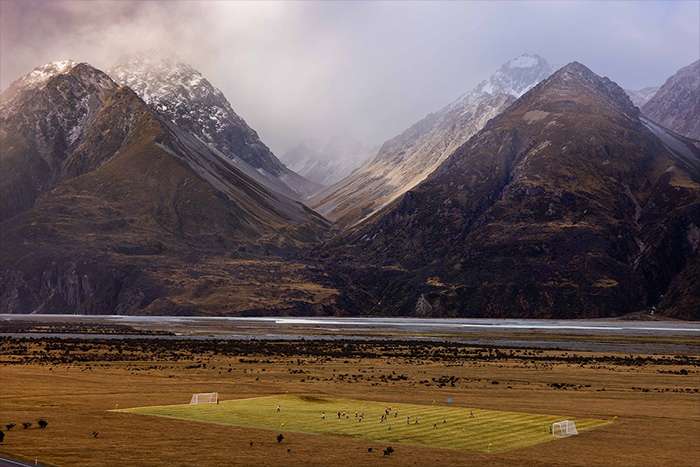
43	423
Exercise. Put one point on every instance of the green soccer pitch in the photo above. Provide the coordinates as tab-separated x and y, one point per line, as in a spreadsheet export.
440	426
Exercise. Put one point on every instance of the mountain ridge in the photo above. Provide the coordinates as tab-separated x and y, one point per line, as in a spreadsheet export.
408	158
565	205
569	203
676	105
185	97
137	215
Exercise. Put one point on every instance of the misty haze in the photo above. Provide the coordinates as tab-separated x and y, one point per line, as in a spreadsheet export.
349	233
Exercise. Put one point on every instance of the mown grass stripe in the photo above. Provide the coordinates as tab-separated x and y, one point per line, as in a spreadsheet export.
487	431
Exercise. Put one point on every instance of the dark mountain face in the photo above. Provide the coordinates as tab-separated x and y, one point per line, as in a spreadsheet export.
676	105
123	211
42	119
184	97
566	205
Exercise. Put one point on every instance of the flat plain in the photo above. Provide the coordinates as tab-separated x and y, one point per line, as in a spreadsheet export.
76	385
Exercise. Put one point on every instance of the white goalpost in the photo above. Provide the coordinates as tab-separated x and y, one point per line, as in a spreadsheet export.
564	428
205	398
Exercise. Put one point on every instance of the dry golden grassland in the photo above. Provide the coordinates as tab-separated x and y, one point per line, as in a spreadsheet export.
76	385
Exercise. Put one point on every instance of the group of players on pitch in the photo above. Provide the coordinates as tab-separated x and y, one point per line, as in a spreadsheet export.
360	416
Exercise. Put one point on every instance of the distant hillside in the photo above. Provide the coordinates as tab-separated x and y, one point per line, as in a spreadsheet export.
329	163
676	105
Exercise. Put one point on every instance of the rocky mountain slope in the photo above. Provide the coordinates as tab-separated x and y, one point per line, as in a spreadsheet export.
31	163
410	157
676	105
182	95
639	97
568	204
109	208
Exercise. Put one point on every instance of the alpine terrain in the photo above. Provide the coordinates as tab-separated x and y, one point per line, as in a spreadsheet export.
182	95
676	105
107	207
568	204
640	97
329	163
410	157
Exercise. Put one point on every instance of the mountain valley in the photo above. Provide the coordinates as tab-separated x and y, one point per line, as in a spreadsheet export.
537	194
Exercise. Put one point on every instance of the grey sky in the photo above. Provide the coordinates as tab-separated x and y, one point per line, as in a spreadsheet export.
308	70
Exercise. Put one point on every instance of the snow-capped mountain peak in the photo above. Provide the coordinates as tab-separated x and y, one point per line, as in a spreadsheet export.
156	80
178	91
35	79
180	94
407	159
516	76
79	80
43	73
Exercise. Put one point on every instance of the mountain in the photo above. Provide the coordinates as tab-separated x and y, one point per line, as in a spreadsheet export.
676	105
29	163
410	157
107	207
329	163
568	204
640	97
182	95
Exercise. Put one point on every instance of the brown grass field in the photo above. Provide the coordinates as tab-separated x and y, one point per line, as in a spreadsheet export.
75	385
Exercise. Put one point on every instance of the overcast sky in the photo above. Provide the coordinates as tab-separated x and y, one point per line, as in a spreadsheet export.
312	71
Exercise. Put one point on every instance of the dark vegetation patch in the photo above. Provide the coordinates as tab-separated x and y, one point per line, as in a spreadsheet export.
70	351
16	326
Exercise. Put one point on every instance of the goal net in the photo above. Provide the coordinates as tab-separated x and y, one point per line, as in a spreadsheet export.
564	428
205	398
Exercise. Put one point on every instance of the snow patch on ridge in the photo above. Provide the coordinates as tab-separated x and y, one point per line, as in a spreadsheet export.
187	99
516	76
409	158
43	73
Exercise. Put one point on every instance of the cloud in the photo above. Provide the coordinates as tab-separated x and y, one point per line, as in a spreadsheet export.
325	70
